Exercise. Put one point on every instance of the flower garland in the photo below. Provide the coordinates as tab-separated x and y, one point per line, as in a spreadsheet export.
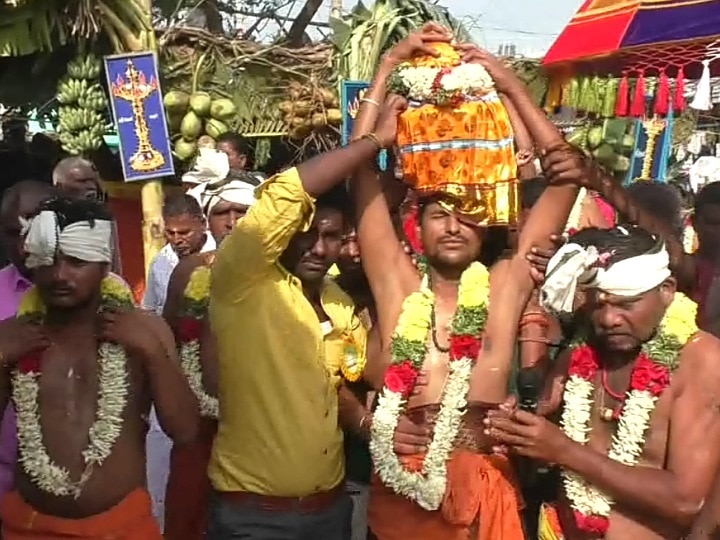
649	378
112	398
196	296
442	86
409	350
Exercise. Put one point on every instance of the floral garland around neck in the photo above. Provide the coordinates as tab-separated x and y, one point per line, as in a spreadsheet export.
409	349
196	297
112	398
649	378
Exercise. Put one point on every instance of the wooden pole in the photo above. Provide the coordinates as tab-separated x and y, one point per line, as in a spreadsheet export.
151	194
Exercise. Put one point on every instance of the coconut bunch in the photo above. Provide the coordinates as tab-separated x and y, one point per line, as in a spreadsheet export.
310	110
194	117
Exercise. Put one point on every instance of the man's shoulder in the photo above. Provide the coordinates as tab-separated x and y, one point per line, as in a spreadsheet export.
700	359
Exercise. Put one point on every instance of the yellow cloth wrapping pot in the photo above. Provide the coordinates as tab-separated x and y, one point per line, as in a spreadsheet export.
465	150
549	526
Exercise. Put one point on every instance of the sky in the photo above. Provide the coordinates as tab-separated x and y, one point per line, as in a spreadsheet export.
532	25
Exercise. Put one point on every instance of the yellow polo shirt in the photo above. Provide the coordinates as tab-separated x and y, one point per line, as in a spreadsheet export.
278	432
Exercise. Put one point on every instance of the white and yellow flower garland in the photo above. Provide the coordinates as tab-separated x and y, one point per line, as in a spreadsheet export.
196	296
441	85
591	506
427	487
112	399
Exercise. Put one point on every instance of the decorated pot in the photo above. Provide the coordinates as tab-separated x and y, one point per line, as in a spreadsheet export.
455	138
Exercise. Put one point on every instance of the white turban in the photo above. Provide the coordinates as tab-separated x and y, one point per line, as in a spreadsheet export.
82	240
575	265
210	175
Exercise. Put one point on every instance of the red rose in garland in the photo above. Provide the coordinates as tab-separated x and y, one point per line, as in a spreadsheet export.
583	363
649	376
189	329
400	378
464	346
30	363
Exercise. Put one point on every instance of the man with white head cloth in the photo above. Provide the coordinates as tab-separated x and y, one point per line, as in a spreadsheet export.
83	389
639	439
224	199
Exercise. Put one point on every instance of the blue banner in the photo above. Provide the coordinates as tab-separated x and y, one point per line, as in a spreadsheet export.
637	160
350	100
137	106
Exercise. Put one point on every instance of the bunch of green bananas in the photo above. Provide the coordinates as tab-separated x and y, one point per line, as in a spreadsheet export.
80	118
87	67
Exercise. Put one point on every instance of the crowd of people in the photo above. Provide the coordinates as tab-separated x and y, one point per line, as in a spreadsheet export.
324	355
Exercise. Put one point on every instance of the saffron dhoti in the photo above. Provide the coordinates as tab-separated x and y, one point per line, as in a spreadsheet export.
130	519
481	503
188	490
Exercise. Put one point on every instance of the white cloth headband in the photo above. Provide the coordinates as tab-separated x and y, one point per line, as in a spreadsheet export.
235	191
210	166
44	239
575	265
211	169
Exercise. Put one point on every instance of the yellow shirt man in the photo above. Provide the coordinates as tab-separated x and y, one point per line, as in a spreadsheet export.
278	432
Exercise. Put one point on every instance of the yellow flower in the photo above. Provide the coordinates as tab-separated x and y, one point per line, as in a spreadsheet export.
31	303
198	287
474	286
679	319
115	289
414	321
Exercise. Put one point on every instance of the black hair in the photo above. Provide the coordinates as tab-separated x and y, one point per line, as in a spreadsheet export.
709	194
531	190
622	242
15	194
179	205
336	198
70	210
660	200
239	143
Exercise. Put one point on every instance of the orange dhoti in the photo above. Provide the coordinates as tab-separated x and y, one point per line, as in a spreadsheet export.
130	519
188	489
481	503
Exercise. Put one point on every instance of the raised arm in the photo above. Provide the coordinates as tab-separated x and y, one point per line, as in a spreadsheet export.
379	246
284	206
565	171
681	263
523	142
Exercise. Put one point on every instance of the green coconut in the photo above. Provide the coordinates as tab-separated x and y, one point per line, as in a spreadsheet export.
200	103
176	101
215	128
222	109
184	149
191	126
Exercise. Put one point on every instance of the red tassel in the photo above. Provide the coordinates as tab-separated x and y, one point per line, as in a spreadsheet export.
679	103
662	95
638	105
621	105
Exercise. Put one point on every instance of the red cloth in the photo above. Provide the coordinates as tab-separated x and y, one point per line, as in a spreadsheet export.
188	489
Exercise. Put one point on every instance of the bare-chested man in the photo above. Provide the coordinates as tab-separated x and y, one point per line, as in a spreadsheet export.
224	201
451	244
640	435
82	367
